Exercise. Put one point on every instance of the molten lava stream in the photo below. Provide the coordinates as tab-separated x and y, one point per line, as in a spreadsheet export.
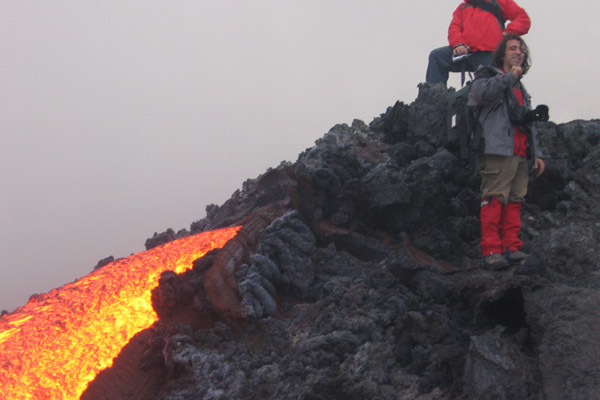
54	345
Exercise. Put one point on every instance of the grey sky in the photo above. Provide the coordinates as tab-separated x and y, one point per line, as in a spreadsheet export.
124	118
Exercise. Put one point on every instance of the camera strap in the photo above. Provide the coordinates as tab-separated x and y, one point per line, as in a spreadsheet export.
518	112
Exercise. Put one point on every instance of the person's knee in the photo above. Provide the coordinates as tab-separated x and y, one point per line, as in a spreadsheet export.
437	54
502	198
516	197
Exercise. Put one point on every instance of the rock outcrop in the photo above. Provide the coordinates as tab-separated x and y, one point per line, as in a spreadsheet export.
357	276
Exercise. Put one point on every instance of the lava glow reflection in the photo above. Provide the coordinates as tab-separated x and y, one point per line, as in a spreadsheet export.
53	346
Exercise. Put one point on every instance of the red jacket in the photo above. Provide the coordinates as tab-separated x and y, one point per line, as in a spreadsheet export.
480	30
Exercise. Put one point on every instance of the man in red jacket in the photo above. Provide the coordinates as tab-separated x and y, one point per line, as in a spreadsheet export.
476	29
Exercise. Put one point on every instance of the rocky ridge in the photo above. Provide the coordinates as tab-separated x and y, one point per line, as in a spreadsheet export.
357	275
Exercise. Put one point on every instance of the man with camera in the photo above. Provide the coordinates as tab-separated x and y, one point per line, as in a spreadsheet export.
476	29
503	110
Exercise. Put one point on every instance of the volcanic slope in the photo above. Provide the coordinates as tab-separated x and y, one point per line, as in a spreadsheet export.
357	276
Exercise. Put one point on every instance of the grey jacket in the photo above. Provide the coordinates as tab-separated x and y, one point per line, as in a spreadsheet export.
491	104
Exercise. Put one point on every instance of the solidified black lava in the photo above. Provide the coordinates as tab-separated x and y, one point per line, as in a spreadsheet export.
367	283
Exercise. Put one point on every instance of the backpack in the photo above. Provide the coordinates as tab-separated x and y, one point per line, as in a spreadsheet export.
463	128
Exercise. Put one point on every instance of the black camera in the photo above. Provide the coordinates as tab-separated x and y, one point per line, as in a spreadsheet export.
541	113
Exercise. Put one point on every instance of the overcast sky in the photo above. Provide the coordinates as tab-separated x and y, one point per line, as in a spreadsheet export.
121	118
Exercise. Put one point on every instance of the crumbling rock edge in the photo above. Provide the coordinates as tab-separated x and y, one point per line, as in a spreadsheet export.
358	276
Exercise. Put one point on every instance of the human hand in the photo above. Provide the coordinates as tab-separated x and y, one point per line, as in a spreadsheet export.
460	50
517	71
539	166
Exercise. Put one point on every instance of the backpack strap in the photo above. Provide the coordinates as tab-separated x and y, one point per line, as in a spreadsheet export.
491	6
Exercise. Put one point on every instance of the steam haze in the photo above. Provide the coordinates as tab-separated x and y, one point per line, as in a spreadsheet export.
125	118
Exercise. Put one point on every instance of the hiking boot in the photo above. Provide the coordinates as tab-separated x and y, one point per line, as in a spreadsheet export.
495	262
516	256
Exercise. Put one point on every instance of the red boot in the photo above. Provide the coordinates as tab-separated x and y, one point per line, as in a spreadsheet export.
491	213
510	226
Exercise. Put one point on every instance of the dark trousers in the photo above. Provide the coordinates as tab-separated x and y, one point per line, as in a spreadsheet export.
440	63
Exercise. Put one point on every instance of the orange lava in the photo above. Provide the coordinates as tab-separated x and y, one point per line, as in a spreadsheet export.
57	343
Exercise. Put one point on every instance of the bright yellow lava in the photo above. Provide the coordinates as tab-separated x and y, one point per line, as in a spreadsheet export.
53	346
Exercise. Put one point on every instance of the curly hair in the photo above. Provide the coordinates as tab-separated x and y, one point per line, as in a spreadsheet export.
498	54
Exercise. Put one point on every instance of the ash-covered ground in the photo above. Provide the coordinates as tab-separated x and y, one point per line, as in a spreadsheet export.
357	275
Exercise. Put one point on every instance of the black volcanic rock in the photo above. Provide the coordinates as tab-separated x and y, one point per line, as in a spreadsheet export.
363	281
160	238
105	261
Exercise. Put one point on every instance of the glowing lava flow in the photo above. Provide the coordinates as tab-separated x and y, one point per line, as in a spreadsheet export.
54	345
